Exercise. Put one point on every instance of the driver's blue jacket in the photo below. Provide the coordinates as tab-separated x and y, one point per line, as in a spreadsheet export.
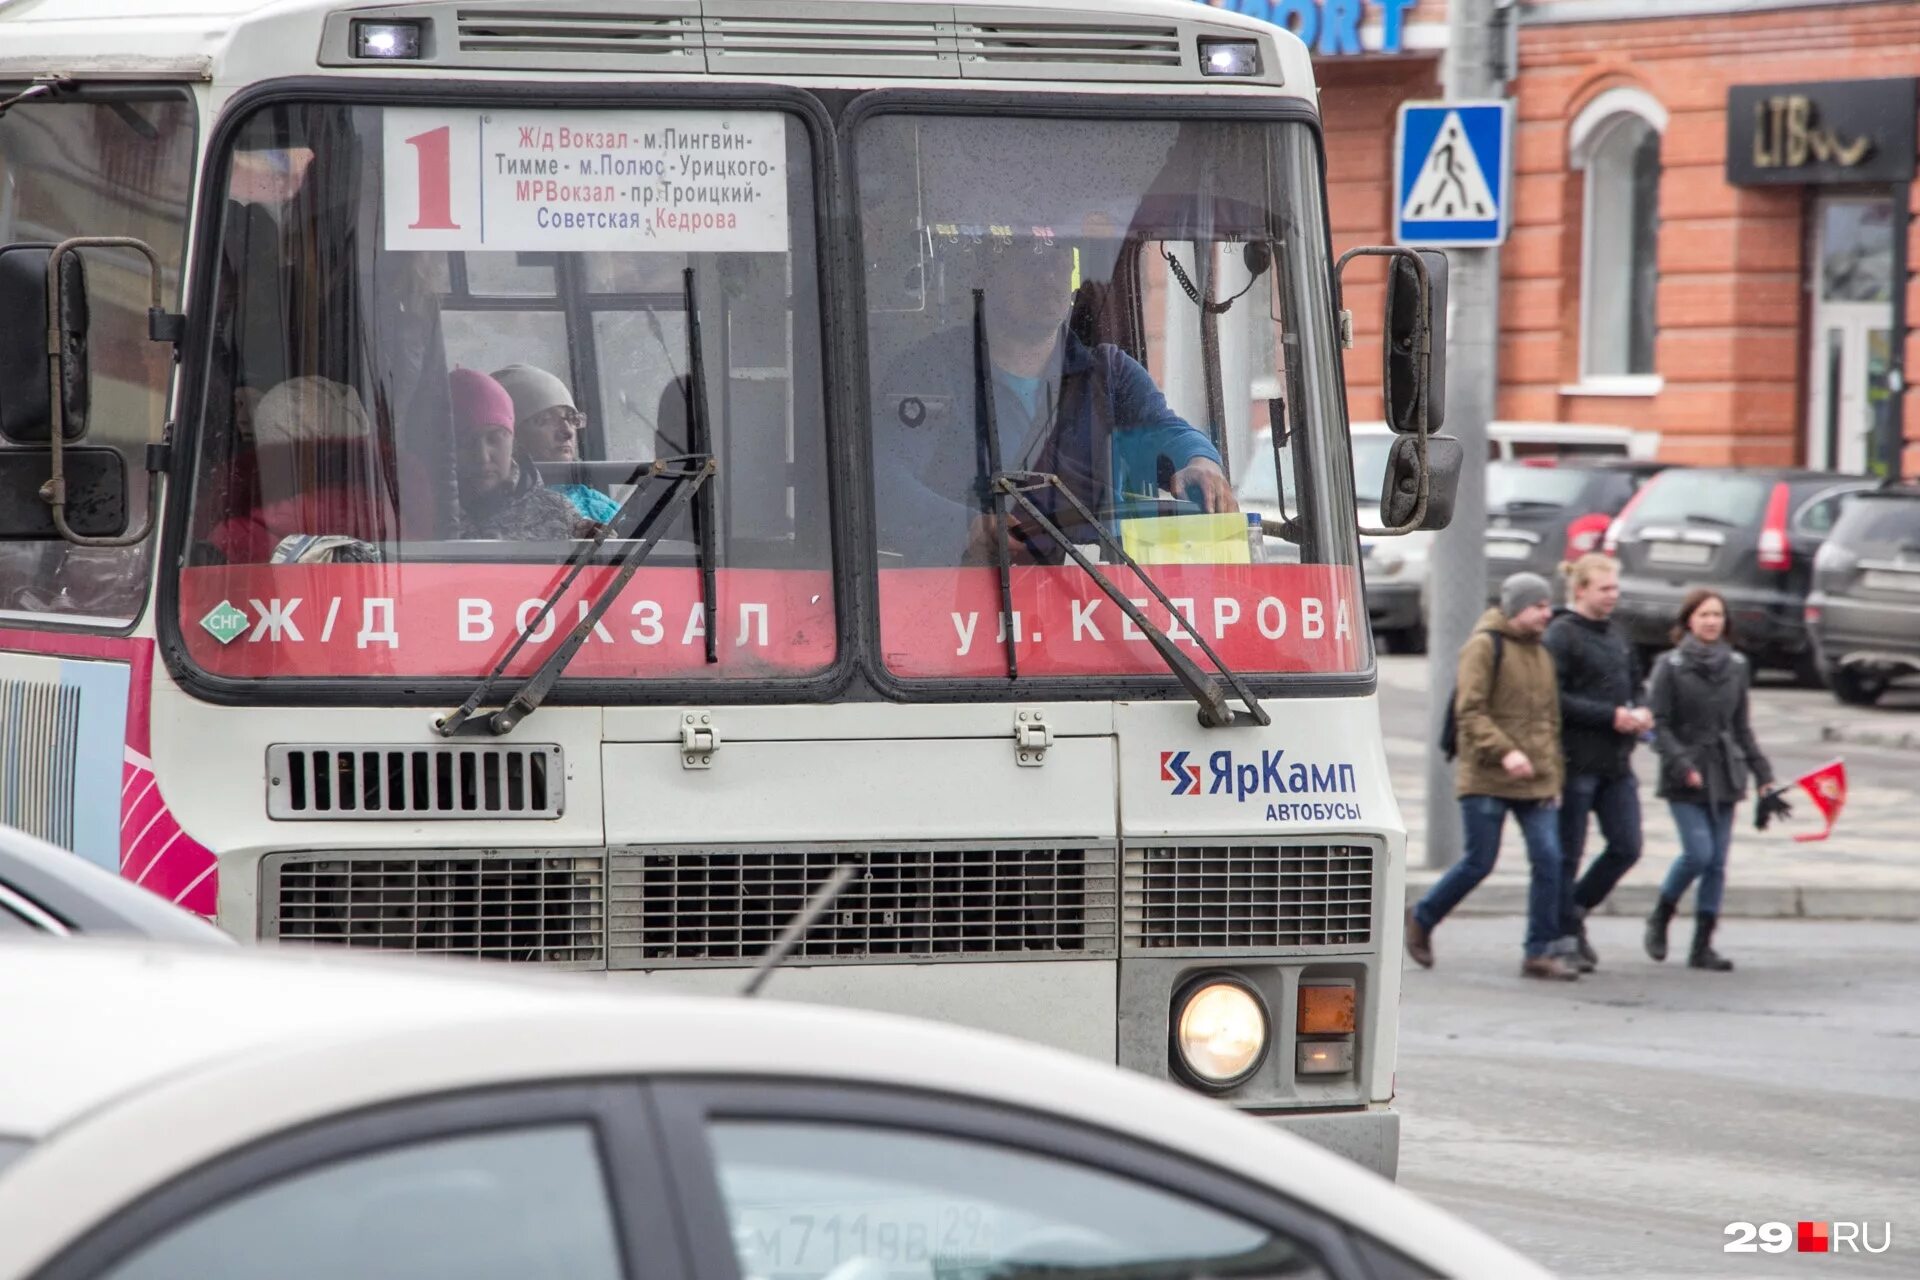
1097	421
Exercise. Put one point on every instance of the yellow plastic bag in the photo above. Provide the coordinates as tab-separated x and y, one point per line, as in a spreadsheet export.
1202	539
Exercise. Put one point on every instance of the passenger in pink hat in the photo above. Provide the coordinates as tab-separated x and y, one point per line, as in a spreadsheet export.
499	496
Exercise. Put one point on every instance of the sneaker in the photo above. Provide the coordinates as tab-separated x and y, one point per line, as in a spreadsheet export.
1551	968
1419	942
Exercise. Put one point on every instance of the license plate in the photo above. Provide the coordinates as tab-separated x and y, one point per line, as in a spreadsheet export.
1890	580
898	1240
1689	553
1507	549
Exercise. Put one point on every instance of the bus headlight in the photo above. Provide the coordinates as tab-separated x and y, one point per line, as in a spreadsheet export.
1221	1032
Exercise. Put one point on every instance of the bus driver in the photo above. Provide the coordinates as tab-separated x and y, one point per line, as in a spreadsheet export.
1090	415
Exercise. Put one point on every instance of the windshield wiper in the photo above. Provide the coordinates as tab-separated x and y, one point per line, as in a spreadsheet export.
700	445
1214	711
684	476
986	425
1001	485
1693	517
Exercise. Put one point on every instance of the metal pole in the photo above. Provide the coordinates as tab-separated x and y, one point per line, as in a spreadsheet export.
1457	571
1890	432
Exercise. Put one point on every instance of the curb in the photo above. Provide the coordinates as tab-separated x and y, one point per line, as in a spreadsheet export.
1753	902
1888	740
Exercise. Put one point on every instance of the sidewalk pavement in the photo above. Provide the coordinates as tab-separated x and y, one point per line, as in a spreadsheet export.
1504	893
1868	870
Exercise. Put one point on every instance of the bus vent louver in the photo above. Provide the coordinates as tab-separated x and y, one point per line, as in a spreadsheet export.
582	40
679	907
1255	896
765	40
1024	47
39	757
382	782
524	906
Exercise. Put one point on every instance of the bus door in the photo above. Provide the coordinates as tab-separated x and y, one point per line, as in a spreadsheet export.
74	666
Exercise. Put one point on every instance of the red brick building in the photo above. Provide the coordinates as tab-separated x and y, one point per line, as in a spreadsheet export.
1746	321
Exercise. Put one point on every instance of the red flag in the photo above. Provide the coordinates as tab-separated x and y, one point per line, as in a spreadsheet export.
1827	788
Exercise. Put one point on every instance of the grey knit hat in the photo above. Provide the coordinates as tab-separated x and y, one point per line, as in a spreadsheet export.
533	390
1522	590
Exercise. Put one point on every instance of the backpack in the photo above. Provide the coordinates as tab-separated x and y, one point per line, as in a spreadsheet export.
1449	729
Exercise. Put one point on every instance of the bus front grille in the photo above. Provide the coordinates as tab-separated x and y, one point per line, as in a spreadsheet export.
529	907
376	781
1252	896
672	907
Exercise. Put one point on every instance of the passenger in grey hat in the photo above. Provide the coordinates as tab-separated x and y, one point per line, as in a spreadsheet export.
1507	741
547	429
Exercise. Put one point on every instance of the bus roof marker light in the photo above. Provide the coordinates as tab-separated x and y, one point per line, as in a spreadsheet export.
387	40
1229	57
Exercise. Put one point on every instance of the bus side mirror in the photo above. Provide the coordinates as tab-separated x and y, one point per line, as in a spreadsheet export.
43	399
96	493
27	375
1416	497
1413	377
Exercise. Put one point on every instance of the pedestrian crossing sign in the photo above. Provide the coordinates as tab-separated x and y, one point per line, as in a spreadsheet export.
1452	169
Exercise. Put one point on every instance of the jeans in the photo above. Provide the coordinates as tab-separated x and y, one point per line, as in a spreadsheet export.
1616	803
1481	818
1706	832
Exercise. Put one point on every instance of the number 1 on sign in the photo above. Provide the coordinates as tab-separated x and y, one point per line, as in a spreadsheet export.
436	180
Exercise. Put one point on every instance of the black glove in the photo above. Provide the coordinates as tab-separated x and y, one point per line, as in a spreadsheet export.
1771	805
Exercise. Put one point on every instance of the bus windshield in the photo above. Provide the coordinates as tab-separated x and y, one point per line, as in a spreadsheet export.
449	345
1112	315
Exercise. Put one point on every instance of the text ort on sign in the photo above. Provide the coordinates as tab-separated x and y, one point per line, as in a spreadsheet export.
585	181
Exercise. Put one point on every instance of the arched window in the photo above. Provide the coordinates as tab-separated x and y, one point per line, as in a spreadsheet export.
1616	140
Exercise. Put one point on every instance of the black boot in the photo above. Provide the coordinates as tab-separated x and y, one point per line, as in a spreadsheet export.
1703	955
1656	937
1589	958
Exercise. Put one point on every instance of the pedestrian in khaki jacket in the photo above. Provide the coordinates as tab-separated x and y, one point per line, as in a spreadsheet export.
1507	717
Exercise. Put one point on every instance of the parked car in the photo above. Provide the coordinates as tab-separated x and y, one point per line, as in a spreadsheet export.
45	889
1543	511
1395	569
1863	614
1510	441
222	1113
1750	534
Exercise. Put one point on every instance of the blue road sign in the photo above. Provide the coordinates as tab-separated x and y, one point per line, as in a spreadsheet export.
1452	164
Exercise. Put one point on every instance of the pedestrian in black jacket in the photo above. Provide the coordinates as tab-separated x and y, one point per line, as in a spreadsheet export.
1600	720
1707	750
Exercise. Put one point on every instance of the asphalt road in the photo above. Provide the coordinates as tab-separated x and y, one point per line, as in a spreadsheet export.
1615	1126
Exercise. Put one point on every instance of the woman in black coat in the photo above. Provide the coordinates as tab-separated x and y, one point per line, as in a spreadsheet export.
1707	750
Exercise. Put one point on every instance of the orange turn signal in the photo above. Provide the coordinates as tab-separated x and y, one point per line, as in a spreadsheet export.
1326	1011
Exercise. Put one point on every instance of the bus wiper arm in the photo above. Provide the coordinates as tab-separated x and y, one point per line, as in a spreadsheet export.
684	476
700	444
1214	711
986	426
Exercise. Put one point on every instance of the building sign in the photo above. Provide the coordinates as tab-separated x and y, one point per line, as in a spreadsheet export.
1331	27
1836	131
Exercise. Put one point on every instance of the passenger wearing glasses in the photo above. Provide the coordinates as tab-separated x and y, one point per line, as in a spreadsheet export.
547	429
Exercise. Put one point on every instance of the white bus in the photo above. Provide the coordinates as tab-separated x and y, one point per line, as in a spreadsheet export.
552	482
